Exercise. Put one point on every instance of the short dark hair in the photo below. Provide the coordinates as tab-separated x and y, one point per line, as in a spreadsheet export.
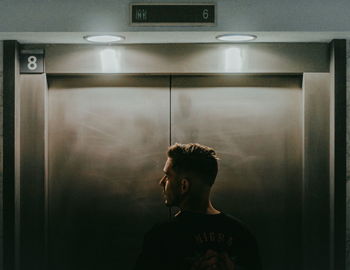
194	158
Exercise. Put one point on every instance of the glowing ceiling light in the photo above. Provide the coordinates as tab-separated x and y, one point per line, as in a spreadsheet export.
104	38
236	37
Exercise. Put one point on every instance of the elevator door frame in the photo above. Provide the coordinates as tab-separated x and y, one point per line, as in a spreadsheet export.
25	101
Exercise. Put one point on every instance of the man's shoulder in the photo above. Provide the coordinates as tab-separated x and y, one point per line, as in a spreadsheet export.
239	226
230	221
233	220
223	220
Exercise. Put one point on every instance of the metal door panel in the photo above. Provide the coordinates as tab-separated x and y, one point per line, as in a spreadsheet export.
255	125
316	188
33	167
107	137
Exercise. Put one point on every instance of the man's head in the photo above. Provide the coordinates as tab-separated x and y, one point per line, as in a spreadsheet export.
189	170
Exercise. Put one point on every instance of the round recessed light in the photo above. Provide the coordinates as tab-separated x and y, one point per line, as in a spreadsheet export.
236	37
104	38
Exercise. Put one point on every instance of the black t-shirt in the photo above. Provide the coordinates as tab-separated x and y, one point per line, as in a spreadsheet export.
193	241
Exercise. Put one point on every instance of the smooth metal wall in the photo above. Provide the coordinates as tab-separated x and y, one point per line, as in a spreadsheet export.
265	58
255	125
107	140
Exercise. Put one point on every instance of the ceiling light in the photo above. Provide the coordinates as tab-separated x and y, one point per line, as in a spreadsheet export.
236	37
104	38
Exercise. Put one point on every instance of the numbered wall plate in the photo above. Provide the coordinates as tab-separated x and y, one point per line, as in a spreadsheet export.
32	61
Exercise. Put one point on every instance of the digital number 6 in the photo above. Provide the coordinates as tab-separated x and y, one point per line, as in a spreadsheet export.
205	14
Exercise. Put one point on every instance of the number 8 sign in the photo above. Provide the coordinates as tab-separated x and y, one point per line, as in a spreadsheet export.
32	61
32	65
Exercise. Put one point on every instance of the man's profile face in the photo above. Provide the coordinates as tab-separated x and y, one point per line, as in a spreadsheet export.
170	185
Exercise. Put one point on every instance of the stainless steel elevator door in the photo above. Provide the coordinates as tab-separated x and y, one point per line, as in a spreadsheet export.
107	137
255	125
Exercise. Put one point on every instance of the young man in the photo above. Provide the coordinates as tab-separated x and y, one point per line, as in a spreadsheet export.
199	237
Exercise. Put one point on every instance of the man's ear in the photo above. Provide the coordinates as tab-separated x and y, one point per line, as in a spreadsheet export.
184	185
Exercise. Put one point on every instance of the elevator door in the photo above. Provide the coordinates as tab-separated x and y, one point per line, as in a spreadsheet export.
255	125
107	138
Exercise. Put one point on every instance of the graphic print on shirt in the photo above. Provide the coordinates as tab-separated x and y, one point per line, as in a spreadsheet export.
214	250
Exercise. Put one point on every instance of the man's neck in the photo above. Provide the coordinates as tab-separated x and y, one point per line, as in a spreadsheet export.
203	207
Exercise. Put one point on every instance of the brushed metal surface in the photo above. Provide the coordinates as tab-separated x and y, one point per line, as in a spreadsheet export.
33	163
316	178
188	58
107	141
255	125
